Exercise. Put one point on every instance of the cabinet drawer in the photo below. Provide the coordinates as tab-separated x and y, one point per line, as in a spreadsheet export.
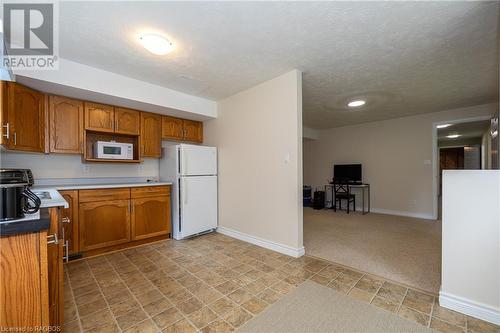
104	194
149	191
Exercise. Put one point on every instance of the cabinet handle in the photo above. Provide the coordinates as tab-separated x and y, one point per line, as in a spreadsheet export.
7	131
15	138
66	251
66	220
54	239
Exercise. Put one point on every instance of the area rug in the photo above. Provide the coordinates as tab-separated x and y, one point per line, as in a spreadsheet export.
403	249
315	308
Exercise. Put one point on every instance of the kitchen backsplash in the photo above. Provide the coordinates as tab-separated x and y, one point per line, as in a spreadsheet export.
71	166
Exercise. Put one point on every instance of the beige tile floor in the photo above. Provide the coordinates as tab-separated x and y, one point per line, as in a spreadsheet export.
215	283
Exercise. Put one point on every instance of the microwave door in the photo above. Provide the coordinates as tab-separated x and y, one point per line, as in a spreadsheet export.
112	151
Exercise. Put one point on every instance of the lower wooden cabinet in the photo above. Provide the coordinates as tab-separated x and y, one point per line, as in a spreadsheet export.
104	223
32	279
55	273
150	217
69	221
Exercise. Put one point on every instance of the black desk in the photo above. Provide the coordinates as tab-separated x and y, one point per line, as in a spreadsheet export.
364	188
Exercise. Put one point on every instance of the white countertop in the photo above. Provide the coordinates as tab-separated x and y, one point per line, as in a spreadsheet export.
98	185
56	199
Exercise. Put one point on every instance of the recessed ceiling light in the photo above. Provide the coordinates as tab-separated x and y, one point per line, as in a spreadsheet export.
453	136
443	125
156	44
356	103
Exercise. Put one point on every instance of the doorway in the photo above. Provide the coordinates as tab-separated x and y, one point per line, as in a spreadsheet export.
461	145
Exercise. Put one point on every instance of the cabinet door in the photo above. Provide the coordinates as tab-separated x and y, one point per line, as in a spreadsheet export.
193	130
127	121
104	223
99	117
150	217
23	281
70	220
150	135
55	269
66	125
4	122
26	115
171	128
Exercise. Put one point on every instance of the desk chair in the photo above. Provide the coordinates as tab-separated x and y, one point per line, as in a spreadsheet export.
342	191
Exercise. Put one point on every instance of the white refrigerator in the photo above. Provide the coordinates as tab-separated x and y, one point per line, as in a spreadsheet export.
193	172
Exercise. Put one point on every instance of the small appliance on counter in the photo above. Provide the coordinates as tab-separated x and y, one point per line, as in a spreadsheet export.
17	201
113	150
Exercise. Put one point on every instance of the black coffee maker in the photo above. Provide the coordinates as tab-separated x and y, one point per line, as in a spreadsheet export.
16	198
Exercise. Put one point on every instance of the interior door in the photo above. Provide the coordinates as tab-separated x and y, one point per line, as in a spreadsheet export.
198	202
198	160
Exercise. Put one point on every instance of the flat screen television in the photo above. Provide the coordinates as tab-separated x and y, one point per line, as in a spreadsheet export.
347	172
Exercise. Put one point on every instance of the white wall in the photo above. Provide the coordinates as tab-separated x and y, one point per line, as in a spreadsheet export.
396	155
70	166
471	243
84	82
259	136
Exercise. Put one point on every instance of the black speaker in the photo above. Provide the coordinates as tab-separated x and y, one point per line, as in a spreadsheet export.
319	200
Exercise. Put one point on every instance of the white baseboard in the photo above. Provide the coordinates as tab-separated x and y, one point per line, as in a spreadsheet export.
402	213
471	308
284	249
397	213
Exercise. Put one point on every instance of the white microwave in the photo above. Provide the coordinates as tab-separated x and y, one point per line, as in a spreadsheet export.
114	150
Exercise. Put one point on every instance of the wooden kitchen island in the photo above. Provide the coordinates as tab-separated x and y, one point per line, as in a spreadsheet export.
31	274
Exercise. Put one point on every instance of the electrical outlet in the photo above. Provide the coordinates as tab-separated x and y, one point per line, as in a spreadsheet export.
86	168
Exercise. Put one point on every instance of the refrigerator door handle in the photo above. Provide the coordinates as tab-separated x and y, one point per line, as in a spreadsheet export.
183	162
184	194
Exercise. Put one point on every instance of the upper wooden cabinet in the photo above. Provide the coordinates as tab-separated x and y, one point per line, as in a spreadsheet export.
181	129
99	117
193	130
24	126
36	122
127	121
65	125
150	134
171	128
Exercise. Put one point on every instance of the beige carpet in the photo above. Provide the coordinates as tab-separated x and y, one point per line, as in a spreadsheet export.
315	308
403	249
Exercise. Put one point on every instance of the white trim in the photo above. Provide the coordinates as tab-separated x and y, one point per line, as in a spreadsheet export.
402	213
396	213
281	248
471	308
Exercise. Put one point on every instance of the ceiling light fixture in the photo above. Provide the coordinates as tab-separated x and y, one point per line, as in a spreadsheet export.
453	136
443	126
356	103
156	44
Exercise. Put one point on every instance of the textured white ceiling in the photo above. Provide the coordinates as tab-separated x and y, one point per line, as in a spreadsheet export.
404	57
